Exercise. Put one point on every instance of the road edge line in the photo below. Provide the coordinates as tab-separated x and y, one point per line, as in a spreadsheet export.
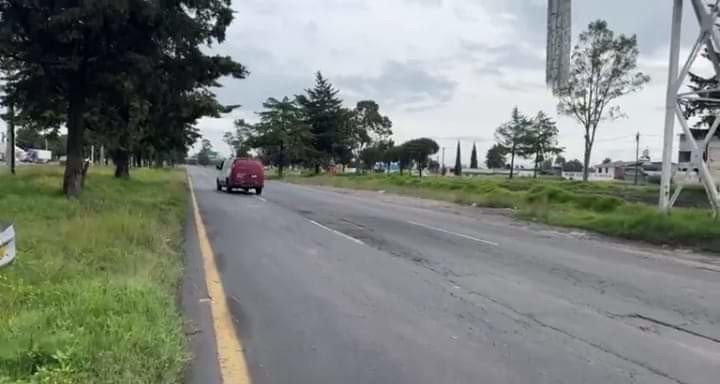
458	234
230	355
346	236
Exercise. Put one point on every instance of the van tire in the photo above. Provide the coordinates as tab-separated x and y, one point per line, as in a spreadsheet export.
258	191
228	189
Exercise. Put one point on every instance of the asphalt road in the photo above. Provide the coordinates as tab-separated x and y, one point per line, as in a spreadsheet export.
329	287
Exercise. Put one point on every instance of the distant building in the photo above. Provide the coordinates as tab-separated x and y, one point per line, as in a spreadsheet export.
614	170
711	153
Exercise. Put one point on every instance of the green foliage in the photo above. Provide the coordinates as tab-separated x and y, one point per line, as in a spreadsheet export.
418	150
282	136
602	70
574	165
91	296
369	125
370	156
514	136
542	139
329	123
205	153
135	73
495	157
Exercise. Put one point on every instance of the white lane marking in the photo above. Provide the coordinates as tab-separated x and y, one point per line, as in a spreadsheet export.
337	232
464	236
261	198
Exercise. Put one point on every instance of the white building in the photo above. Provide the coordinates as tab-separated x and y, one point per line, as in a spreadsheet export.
687	160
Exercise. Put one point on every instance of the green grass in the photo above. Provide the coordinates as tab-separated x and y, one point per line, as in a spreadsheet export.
614	209
91	296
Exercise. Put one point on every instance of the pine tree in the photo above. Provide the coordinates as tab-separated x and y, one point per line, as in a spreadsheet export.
328	121
458	161
474	158
513	136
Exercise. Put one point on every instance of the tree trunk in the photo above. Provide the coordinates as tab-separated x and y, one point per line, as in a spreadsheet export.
512	163
535	169
586	165
121	158
317	169
73	179
419	171
586	160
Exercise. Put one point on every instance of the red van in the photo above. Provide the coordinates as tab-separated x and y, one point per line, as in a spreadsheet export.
240	173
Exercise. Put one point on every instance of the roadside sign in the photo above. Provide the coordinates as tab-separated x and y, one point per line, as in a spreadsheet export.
7	244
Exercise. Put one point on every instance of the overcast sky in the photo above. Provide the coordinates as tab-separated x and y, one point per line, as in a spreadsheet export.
446	69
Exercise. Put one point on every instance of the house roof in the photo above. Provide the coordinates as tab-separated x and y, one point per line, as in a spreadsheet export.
613	164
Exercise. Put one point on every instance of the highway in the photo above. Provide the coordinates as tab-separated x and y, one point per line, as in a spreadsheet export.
362	287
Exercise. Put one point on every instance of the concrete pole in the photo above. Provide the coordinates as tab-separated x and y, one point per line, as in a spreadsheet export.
670	102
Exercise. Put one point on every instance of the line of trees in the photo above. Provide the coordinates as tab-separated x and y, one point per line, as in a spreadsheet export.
314	130
527	138
132	76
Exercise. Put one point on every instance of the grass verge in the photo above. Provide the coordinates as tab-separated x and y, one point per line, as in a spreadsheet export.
91	296
609	208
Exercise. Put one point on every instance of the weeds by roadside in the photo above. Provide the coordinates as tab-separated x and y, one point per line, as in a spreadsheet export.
91	296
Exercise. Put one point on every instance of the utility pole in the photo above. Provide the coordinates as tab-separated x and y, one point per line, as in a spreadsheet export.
670	106
637	156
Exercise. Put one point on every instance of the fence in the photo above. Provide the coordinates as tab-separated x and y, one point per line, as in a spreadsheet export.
7	244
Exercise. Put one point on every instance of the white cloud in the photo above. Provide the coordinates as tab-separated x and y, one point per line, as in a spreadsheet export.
439	68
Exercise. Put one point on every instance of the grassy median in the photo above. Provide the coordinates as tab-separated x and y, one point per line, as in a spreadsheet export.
615	209
91	297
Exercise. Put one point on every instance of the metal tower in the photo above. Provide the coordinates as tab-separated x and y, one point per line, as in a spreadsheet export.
706	17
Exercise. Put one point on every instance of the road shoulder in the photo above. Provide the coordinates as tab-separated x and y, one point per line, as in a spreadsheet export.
203	367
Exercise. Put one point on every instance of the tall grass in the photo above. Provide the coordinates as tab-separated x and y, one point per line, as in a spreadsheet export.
91	296
610	208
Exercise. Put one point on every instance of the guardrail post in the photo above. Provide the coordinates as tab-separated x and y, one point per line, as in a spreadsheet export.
7	244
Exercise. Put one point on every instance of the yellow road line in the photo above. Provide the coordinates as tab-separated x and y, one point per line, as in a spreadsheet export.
231	359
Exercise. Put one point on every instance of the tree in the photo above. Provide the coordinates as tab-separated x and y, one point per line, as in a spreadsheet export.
458	161
547	164
75	59
238	141
282	134
514	137
602	70
473	158
369	156
573	166
26	137
419	150
560	161
495	157
607	160
369	124
542	140
391	154
205	152
400	155
329	123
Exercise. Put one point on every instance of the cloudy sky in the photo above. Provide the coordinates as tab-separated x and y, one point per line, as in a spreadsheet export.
446	69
